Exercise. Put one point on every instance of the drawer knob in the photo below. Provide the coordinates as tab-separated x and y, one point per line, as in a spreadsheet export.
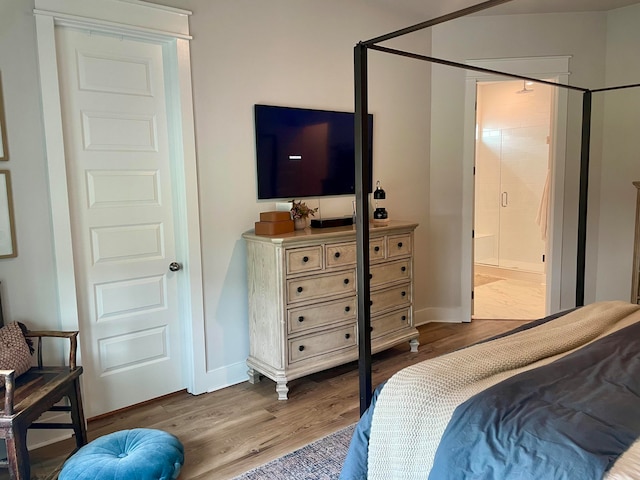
404	317
301	319
376	249
337	255
301	348
404	269
300	289
347	336
399	244
404	294
371	329
347	308
370	302
346	281
370	276
305	259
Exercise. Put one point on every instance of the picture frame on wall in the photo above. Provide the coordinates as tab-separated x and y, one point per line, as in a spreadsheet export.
4	147
8	246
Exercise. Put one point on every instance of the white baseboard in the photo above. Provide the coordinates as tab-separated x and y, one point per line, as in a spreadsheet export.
438	314
226	376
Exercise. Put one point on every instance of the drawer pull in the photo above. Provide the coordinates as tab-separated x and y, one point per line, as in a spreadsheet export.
347	308
399	244
305	259
404	317
370	302
337	255
347	336
346	281
371	329
404	269
301	348
376	249
404	294
300	289
370	276
301	319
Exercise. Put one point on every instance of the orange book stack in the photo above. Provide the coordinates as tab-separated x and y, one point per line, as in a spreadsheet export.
274	223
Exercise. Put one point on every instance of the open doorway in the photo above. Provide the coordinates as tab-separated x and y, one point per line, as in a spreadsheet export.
511	199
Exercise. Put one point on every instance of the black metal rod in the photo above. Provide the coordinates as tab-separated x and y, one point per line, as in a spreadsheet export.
620	87
430	23
362	224
583	198
465	66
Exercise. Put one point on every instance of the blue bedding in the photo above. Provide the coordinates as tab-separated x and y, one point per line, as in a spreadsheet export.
591	397
570	419
355	464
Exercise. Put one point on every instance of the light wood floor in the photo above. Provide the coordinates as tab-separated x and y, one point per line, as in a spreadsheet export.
230	431
496	298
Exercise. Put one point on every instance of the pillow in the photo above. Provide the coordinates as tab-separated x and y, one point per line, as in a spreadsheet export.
15	351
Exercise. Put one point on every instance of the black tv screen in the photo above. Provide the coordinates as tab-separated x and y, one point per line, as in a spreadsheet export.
306	153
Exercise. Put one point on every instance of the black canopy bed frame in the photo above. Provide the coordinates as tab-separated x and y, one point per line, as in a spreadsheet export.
362	172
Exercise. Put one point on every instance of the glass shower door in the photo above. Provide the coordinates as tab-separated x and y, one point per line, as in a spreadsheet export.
523	174
487	194
511	171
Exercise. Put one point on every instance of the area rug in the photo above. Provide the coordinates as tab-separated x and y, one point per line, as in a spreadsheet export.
320	460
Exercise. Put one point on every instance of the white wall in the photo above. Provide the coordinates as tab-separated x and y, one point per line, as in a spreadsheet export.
292	53
283	52
580	35
621	157
28	280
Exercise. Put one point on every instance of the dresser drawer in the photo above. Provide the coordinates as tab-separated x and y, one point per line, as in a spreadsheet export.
390	323
340	254
300	260
399	245
390	298
376	249
321	286
320	343
390	272
304	318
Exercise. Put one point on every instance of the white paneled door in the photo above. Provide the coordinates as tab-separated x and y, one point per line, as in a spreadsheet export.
122	217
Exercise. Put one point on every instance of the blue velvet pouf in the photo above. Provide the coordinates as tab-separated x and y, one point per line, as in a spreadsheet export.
137	454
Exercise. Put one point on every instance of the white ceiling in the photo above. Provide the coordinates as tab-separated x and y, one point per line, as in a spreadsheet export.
429	9
556	6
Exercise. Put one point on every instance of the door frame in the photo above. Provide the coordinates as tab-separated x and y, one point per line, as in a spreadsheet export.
557	68
168	27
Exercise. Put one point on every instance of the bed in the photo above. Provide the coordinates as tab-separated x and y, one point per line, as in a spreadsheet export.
556	399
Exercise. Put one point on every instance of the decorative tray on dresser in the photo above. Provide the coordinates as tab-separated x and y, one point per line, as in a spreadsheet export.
303	305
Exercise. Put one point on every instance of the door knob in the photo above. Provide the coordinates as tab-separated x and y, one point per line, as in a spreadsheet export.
175	266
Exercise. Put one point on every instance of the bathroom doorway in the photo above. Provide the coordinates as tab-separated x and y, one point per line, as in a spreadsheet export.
511	198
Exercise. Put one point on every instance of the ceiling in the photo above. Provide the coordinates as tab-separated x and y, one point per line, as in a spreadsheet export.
555	6
429	9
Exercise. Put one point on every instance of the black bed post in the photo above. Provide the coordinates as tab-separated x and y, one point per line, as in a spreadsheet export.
362	224
582	205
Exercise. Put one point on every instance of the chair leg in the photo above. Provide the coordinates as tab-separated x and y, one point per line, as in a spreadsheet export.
18	455
77	415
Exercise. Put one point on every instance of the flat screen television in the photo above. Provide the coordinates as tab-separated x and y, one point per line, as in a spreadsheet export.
306	153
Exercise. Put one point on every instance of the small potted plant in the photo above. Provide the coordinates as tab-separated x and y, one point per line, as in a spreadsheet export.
300	214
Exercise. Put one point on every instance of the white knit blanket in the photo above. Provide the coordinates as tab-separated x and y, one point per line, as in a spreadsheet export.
416	404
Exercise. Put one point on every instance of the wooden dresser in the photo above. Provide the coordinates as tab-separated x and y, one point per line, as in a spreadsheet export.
302	299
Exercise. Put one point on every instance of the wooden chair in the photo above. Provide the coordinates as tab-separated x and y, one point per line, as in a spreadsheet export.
37	391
